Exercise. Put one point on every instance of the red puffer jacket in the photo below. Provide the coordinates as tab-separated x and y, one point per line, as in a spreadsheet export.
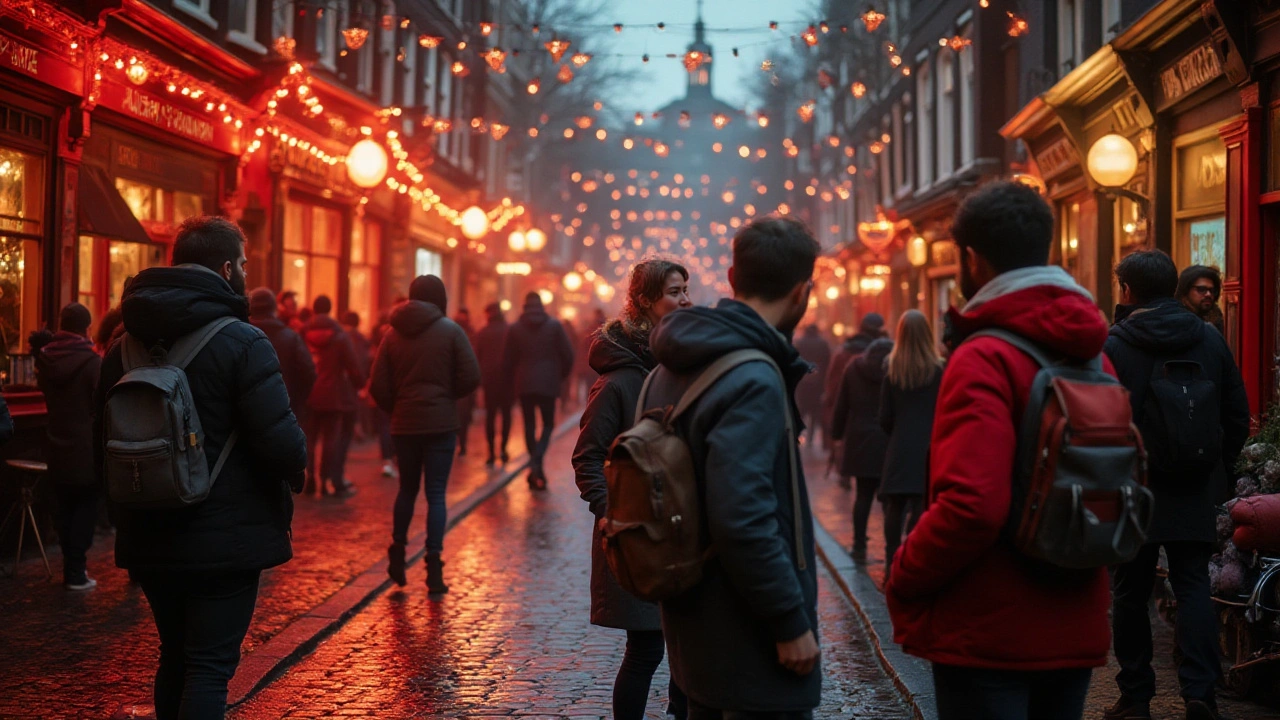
958	593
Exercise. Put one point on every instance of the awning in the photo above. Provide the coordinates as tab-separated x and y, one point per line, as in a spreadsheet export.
103	212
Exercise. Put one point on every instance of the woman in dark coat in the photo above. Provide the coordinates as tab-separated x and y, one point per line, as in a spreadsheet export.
907	398
856	422
620	353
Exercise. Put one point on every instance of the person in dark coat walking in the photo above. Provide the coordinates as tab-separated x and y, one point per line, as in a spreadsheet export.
296	365
569	393
815	350
466	405
67	370
907	397
199	565
870	329
424	366
620	354
1155	334
339	373
857	424
742	642
538	357
490	346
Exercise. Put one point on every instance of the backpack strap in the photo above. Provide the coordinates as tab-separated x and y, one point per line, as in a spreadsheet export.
185	348
704	381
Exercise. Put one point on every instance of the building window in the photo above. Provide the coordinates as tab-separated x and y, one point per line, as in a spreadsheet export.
1111	19
426	262
312	250
409	83
281	20
898	142
327	34
198	9
1070	37
22	211
967	125
446	102
908	143
366	271
1200	201
242	24
924	126
430	79
946	113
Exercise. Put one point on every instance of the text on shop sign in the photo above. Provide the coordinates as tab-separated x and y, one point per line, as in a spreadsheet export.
167	116
1190	73
22	57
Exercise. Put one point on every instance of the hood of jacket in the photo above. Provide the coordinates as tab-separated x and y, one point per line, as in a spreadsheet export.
858	343
1159	327
166	303
62	359
871	364
321	331
689	340
413	317
267	323
534	318
1058	318
612	349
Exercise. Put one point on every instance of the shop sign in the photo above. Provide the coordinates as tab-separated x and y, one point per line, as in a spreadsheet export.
1057	158
190	123
26	58
945	253
1190	73
1202	175
299	163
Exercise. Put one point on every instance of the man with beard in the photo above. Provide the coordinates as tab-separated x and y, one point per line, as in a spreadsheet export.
1199	288
743	640
199	565
1007	639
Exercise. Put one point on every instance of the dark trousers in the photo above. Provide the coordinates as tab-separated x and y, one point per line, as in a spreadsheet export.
898	509
77	516
496	406
530	406
1196	631
466	408
701	712
429	457
631	688
383	421
327	437
202	619
966	693
862	509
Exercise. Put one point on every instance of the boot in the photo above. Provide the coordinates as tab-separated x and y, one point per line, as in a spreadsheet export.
435	574
395	563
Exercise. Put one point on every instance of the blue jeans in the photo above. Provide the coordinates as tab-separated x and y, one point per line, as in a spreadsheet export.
202	619
965	693
429	456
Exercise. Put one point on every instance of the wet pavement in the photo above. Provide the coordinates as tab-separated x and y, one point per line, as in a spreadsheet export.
833	508
92	655
512	638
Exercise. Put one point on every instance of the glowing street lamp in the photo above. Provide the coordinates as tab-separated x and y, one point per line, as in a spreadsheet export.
572	281
474	223
517	241
536	239
367	163
1112	161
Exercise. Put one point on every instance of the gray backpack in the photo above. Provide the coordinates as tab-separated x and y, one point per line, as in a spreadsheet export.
154	441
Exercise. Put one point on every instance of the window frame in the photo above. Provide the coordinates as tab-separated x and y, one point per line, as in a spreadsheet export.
924	125
945	109
968	109
248	36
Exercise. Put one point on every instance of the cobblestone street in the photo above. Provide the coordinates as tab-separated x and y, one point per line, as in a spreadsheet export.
512	637
92	655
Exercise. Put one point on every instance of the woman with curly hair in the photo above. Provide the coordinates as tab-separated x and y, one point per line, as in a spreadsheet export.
620	354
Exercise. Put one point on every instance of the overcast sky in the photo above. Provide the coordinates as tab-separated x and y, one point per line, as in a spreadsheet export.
730	23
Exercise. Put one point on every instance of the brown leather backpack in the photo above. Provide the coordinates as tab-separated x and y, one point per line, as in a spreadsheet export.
652	532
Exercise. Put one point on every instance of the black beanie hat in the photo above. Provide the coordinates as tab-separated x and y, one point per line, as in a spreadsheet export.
429	289
74	318
533	301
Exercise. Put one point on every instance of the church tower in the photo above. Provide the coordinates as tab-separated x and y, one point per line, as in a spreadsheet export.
700	77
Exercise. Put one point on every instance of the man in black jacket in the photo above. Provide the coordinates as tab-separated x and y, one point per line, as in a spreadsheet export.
67	370
491	344
296	365
199	565
539	357
743	641
1157	347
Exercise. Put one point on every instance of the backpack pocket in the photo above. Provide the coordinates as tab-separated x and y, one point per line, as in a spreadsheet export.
142	474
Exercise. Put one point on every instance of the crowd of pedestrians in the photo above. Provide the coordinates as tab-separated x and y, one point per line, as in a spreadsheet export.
277	394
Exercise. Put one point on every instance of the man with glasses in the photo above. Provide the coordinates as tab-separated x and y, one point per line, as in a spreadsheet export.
1199	288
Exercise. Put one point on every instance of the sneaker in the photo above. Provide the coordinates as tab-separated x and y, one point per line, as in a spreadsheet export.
388	470
1127	709
1201	710
80	584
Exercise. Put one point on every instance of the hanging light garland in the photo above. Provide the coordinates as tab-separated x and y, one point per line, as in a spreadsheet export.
872	19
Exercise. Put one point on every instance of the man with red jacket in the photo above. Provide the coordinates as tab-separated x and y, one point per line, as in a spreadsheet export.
1007	639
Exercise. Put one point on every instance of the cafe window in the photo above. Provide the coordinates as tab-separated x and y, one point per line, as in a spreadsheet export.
312	250
159	209
364	280
22	188
106	266
1200	200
